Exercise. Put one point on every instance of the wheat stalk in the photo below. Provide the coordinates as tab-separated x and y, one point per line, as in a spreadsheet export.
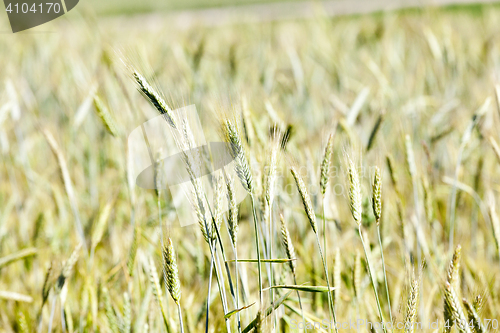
290	254
337	281
356	211
306	201
377	212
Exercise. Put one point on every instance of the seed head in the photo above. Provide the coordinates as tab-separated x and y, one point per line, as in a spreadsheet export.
306	200
154	98
411	310
455	309
355	192
287	242
171	272
232	211
325	165
237	152
377	195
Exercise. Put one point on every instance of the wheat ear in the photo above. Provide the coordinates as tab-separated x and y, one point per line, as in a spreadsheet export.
457	315
308	207
171	273
411	309
356	211
377	212
290	254
452	277
155	283
154	98
477	326
105	116
325	164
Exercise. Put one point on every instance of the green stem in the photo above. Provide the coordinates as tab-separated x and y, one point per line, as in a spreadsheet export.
330	300
258	248
180	317
300	303
373	279
383	268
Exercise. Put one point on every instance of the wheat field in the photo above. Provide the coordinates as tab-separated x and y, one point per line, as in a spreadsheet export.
366	148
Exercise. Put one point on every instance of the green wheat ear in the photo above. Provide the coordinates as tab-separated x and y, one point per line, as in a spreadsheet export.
306	199
171	272
325	164
354	192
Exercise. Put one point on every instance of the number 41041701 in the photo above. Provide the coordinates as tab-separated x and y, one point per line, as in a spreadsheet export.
48	7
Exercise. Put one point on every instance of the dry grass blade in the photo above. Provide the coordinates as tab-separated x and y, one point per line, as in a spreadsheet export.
268	311
497	94
495	221
100	226
155	283
68	185
495	147
14	296
11	258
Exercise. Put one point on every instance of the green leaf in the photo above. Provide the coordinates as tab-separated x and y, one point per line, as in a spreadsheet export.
272	261
268	312
230	313
313	289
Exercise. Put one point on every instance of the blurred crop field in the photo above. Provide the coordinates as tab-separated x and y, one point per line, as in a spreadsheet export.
358	136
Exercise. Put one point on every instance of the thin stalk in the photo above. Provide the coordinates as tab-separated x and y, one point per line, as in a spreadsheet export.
300	303
220	285
372	278
324	225
180	317
52	310
213	248
225	262
237	289
258	248
454	198
208	293
383	268
272	282
330	299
